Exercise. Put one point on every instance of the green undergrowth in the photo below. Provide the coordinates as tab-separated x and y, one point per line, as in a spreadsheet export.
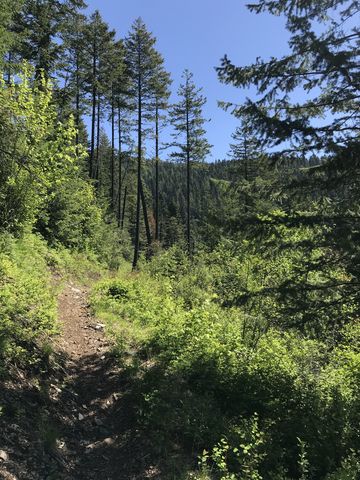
31	276
248	403
27	300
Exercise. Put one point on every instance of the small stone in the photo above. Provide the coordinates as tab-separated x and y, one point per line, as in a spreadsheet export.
81	416
4	457
90	447
57	389
5	475
77	290
109	441
98	422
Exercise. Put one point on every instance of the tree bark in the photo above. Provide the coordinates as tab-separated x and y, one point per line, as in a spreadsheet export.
146	218
112	190
123	209
77	106
188	179
120	165
157	206
97	173
138	200
93	115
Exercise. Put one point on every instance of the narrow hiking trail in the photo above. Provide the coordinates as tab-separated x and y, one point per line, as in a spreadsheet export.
77	421
92	385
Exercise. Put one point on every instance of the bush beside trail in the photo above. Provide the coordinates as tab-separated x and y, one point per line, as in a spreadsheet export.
271	404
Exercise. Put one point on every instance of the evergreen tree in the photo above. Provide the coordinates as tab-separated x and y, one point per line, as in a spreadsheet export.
323	62
117	81
74	70
162	82
124	107
143	62
100	42
39	26
190	142
325	65
244	152
8	38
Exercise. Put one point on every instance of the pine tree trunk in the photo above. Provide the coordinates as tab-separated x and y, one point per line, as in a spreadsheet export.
112	191
120	165
77	106
123	209
157	207
188	180
246	175
245	159
93	116
146	218
97	174
138	200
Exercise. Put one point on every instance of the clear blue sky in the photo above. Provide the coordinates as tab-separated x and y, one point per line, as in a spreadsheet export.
195	34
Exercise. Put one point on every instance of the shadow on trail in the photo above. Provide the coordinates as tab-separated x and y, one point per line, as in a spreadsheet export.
77	416
77	423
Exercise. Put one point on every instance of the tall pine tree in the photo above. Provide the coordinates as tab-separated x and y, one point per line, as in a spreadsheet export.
100	41
323	63
143	62
40	25
189	136
161	86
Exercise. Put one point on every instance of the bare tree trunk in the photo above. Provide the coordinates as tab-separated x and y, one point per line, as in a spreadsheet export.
93	115
157	161
138	200
188	180
97	173
77	106
246	173
146	218
120	165
123	209
112	190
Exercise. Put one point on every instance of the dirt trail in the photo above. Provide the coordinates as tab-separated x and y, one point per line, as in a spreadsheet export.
81	425
92	385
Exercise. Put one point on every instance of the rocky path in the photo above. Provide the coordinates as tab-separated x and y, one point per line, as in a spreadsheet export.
76	421
90	391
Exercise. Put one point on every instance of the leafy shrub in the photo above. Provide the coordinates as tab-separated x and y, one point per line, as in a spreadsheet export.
240	456
204	372
27	302
36	150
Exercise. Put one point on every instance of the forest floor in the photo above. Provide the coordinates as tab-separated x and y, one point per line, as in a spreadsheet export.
74	420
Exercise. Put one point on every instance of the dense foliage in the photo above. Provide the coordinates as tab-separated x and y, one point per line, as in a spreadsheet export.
263	398
27	301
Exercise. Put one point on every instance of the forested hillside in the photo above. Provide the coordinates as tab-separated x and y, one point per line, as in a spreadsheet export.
163	315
